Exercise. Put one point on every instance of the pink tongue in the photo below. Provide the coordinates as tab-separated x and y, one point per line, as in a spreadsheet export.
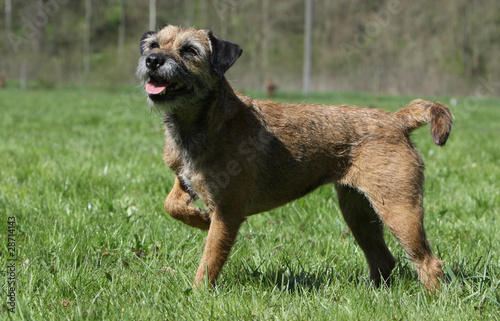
154	88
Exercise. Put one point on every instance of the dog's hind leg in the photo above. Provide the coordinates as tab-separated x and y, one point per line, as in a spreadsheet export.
367	230
405	222
178	205
400	208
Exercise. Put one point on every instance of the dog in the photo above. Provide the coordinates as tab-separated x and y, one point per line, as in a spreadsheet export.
242	156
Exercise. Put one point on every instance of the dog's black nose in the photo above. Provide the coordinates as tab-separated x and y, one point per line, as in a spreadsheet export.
154	61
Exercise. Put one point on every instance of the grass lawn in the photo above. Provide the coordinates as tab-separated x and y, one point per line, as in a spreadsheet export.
81	172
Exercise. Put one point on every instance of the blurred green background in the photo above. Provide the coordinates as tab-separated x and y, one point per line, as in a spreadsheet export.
447	47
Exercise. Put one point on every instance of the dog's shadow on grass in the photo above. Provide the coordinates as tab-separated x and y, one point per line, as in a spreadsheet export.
304	280
297	277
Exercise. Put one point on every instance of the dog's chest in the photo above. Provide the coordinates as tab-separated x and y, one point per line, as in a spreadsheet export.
192	181
186	168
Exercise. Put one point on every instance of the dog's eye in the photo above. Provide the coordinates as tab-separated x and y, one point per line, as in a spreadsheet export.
189	51
154	45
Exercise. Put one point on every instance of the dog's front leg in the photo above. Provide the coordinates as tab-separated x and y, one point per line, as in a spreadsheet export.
178	205
220	239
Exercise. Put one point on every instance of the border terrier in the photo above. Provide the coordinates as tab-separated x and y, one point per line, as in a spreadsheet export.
243	156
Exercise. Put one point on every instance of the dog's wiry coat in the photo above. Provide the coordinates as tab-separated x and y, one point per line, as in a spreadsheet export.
243	156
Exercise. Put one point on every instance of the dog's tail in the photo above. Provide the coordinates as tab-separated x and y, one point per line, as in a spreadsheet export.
420	112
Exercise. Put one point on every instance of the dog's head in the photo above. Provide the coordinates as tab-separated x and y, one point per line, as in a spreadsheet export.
183	66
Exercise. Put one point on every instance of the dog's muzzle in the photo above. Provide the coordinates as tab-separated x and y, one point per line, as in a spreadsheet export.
162	84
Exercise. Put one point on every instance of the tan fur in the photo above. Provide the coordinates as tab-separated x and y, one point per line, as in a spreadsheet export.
243	156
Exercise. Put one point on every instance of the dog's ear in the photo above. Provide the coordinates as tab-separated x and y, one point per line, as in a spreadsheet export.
143	40
224	54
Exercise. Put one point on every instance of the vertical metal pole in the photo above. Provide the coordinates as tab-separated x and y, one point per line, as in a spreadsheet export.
86	38
23	75
266	29
152	15
121	29
308	26
8	21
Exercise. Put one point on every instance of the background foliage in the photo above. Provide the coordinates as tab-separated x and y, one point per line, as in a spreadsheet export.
383	46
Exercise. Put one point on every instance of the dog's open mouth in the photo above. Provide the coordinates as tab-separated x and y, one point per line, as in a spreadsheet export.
159	90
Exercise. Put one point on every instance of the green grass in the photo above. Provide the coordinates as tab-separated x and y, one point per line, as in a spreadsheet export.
82	173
